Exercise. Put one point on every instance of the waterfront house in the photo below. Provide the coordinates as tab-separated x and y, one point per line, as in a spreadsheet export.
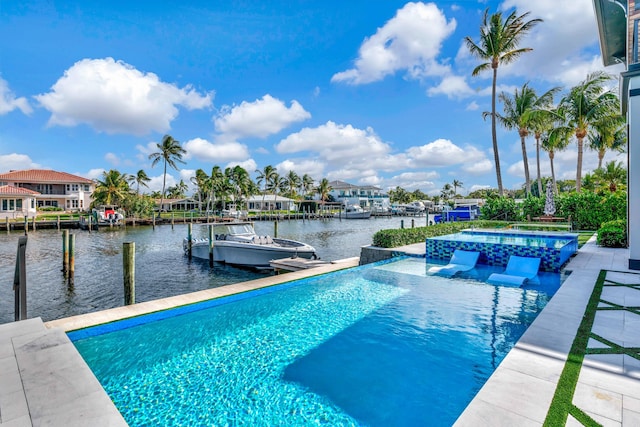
43	188
15	201
270	202
367	196
187	204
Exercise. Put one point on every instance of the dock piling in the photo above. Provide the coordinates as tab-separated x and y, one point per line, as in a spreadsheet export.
20	281
211	243
402	224
26	225
129	272
275	228
65	252
189	239
72	257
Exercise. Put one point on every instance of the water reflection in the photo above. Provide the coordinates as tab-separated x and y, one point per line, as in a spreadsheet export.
161	268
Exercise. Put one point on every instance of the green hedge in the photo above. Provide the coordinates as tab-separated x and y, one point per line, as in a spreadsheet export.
407	236
613	234
589	210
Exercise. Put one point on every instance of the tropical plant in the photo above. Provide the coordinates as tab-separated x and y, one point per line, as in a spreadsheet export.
446	192
612	176
169	152
585	105
399	195
219	186
292	182
613	234
500	208
608	134
240	183
141	178
541	120
265	178
112	189
456	184
554	141
202	183
499	40
323	189
518	115
306	184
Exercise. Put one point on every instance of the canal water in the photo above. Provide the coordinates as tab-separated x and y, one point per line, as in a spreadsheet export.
162	270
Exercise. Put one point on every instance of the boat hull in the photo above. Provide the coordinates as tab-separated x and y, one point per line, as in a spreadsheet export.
248	254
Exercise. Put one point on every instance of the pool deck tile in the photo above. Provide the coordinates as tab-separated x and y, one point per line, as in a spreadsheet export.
44	381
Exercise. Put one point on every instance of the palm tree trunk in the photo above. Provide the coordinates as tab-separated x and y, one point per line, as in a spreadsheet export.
579	166
553	172
496	156
527	177
164	181
538	165
600	157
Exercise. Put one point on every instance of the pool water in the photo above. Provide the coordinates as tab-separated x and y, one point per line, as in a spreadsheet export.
378	345
544	241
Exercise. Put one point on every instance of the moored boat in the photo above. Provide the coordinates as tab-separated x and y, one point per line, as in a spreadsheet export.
354	212
237	243
107	215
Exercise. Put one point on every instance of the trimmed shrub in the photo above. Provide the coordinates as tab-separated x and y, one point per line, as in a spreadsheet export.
588	210
407	236
613	234
501	209
533	206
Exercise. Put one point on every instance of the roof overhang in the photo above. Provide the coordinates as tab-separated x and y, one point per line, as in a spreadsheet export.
611	16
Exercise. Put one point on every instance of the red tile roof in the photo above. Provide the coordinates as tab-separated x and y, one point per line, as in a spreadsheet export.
42	175
10	190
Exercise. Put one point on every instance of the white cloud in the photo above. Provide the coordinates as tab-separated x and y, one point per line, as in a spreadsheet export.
156	182
114	97
414	180
480	167
473	106
443	152
312	167
15	161
206	151
112	159
476	187
9	102
261	118
410	41
249	165
94	173
453	87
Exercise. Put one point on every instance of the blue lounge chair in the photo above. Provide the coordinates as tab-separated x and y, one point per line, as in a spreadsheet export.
460	261
519	270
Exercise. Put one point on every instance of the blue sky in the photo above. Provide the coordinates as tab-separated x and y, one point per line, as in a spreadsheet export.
369	92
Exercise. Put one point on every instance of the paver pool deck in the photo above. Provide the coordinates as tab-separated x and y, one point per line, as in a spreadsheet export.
44	380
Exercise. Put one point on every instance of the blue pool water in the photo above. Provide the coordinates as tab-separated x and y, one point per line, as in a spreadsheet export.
378	345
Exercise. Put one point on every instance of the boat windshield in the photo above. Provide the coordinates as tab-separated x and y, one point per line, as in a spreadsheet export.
235	229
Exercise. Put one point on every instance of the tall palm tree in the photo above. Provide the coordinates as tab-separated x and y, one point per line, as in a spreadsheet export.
202	182
292	182
112	189
218	185
445	193
240	183
585	105
323	189
517	115
499	40
541	119
456	184
554	141
307	184
169	152
141	178
265	178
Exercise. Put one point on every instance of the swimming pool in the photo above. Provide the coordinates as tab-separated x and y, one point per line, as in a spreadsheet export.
382	344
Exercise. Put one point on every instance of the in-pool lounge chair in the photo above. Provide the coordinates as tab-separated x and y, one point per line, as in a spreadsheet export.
519	270
460	261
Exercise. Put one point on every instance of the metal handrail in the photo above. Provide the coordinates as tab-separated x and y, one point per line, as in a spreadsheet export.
20	281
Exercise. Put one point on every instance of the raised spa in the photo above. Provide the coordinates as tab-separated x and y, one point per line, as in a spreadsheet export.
496	246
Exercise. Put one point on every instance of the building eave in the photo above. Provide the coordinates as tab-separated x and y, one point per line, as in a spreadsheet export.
611	17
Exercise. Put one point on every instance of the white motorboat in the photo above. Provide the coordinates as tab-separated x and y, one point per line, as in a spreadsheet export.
354	212
237	243
107	215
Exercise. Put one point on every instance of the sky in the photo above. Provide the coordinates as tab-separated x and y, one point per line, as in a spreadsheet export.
368	92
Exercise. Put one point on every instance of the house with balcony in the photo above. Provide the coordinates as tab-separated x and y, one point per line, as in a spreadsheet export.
368	196
22	192
619	32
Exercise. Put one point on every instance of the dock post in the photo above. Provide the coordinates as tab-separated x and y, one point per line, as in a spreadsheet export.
191	217
72	257
172	219
6	222
402	224
413	223
129	272
20	281
65	252
211	243
189	239
58	222
34	223
153	220
26	225
275	228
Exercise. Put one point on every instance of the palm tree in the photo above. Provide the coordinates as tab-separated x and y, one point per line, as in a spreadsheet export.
585	105
240	182
517	115
323	189
112	189
498	44
456	184
608	134
306	184
141	178
445	193
552	142
292	182
265	176
218	185
612	175
541	119
170	152
202	182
